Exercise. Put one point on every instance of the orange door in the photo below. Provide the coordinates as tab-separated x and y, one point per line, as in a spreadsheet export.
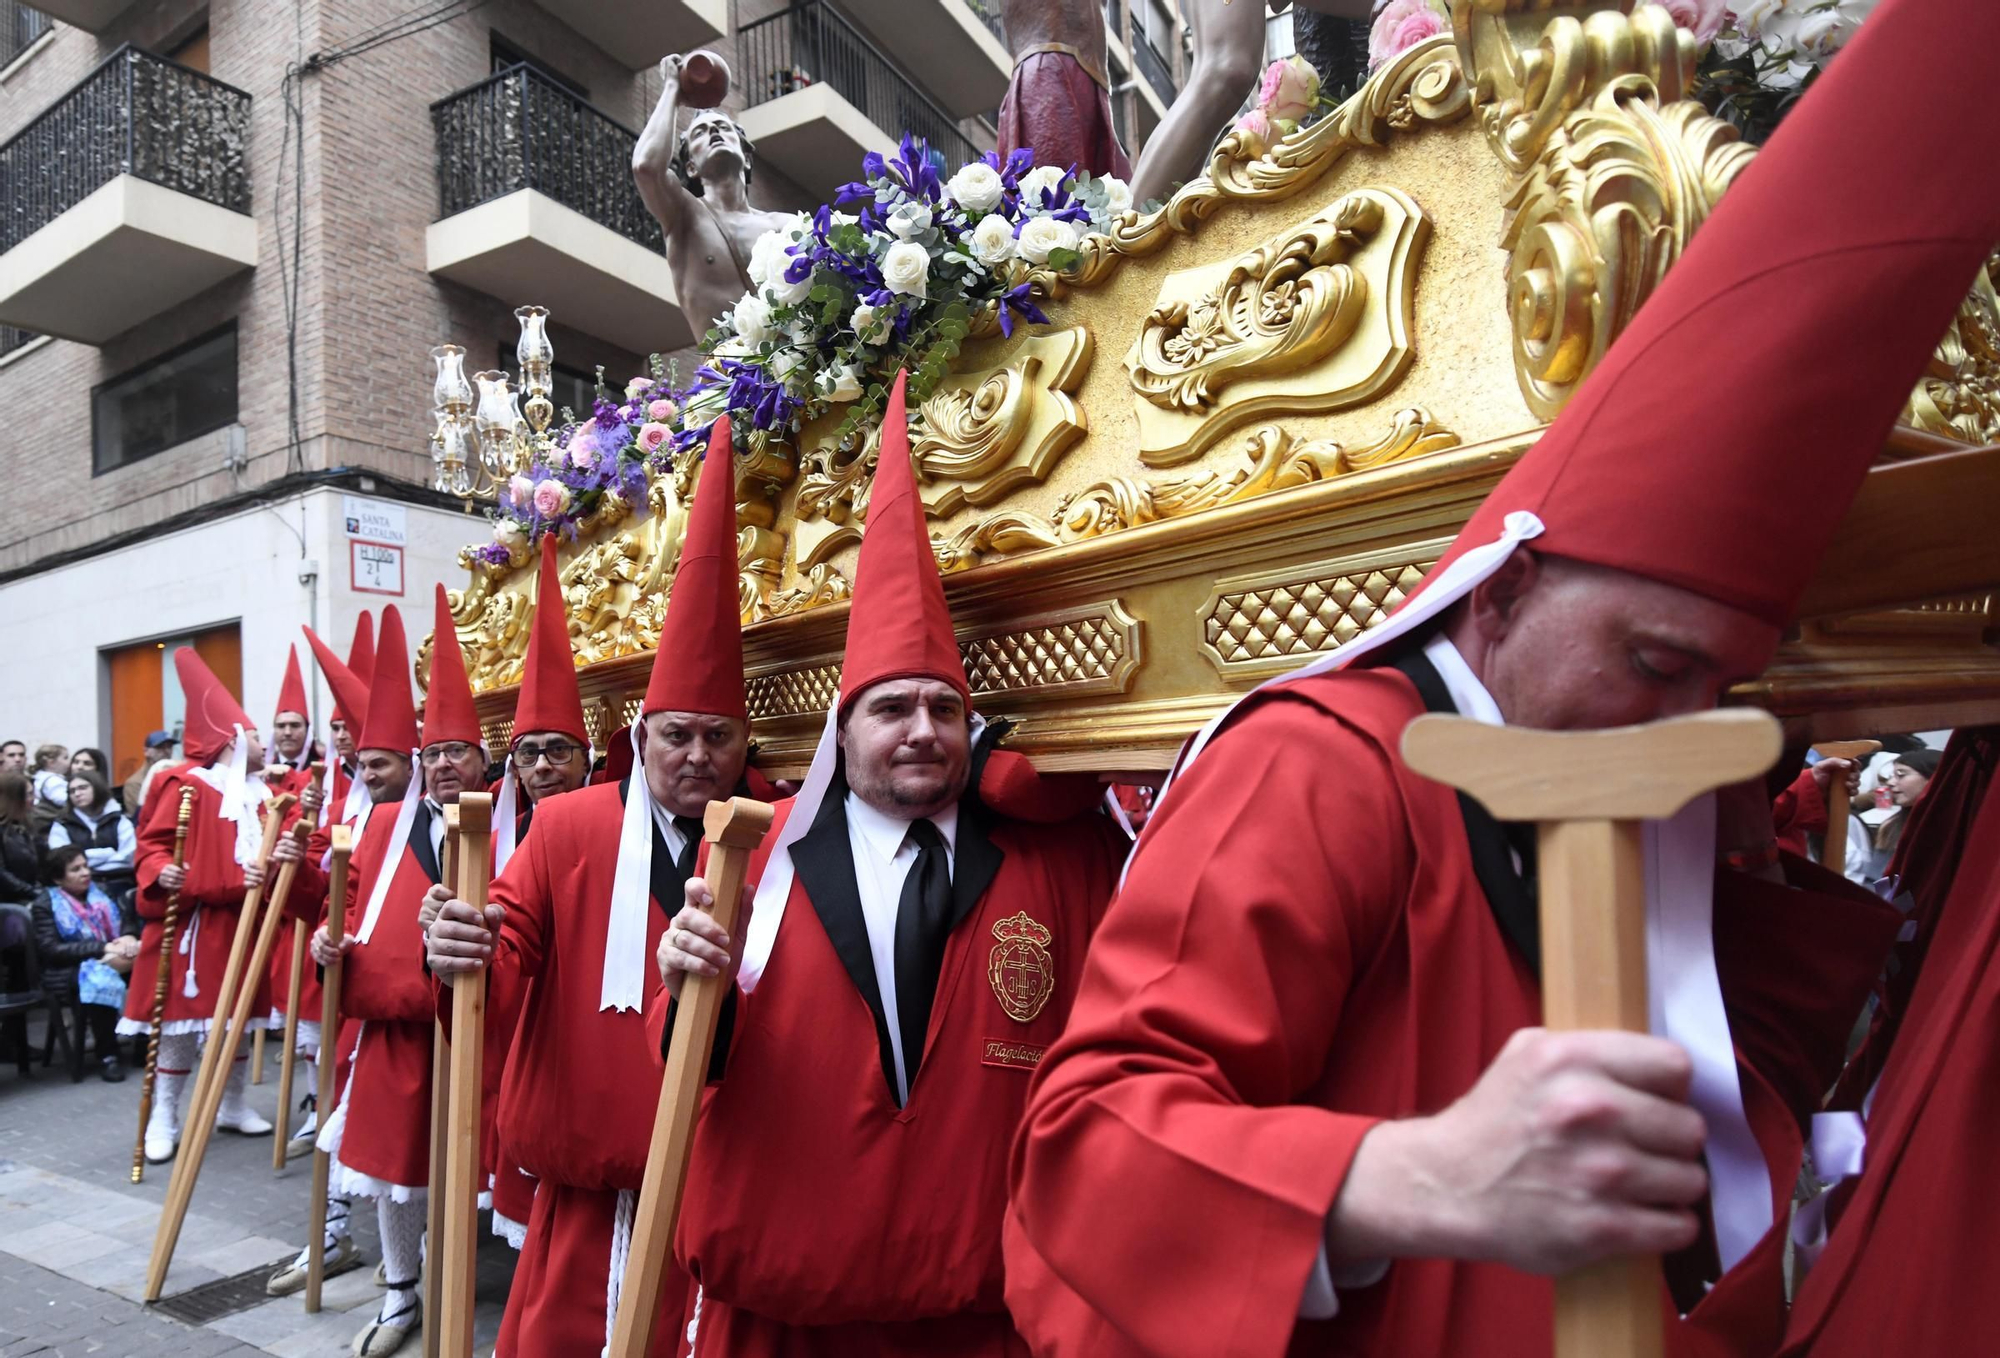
135	703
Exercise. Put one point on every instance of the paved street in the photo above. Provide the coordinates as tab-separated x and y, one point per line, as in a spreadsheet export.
75	1234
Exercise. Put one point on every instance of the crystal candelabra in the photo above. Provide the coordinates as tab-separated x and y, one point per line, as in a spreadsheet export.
481	436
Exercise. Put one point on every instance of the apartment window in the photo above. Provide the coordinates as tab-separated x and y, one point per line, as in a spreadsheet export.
506	54
1121	122
1158	19
20	28
176	397
1278	40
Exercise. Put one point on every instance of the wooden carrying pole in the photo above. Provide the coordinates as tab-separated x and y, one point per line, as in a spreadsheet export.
329	1047
194	1142
232	972
440	1124
468	1030
1590	791
163	974
288	1059
734	829
1833	853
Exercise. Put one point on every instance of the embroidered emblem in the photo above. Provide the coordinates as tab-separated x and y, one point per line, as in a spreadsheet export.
1013	1055
1020	969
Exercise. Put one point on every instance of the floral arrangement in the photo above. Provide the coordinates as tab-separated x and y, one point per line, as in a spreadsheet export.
589	464
891	275
1766	53
1400	25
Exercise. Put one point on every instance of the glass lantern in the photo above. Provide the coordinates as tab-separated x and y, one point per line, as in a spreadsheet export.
451	392
537	359
497	419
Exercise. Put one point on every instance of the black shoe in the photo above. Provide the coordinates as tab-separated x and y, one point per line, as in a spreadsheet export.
113	1071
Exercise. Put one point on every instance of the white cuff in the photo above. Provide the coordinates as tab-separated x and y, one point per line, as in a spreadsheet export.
1320	1301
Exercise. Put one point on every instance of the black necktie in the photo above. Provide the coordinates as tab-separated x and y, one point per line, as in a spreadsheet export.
691	831
923	923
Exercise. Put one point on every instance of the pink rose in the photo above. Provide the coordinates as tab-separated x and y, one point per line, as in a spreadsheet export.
551	499
1703	18
662	410
638	387
520	489
1290	90
1255	126
582	455
1401	25
652	435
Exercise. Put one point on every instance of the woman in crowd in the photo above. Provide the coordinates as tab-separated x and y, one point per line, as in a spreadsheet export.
1907	779
88	760
20	859
97	824
86	950
51	786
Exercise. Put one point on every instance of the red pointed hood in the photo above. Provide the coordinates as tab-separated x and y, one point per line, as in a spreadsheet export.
550	699
392	712
699	666
361	653
350	690
292	693
899	626
1724	435
212	712
449	713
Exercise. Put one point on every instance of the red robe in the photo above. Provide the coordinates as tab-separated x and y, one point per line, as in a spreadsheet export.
1910	1265
294	781
822	1219
1276	976
211	901
385	987
577	1097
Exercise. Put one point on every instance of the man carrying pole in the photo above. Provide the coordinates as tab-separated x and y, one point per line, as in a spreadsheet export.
225	761
1314	1101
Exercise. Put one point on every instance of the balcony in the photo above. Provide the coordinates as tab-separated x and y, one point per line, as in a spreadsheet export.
957	43
536	200
639	32
126	197
820	96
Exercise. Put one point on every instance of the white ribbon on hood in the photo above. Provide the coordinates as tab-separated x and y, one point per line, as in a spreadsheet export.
625	958
506	807
399	836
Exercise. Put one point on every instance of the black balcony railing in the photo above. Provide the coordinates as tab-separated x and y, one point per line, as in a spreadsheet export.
521	130
988	13
21	27
1152	64
136	114
811	44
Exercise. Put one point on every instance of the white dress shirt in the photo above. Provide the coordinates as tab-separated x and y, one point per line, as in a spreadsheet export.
1470	697
436	809
676	842
883	857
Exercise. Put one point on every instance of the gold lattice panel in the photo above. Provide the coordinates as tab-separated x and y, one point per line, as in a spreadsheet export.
498	734
630	711
791	693
1294	619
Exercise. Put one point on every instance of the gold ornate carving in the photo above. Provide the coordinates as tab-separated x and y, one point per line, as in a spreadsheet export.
1315	319
823	584
1959	396
983	434
1608	206
1291	620
1278	461
996	535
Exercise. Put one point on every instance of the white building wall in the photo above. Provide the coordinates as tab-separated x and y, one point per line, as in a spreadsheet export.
245	569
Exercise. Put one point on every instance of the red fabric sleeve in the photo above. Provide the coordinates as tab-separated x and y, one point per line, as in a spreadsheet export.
524	892
1209	1005
1799	810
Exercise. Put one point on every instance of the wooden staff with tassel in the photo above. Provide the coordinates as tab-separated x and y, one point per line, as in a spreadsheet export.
733	829
163	975
434	1219
288	1059
187	1165
329	1047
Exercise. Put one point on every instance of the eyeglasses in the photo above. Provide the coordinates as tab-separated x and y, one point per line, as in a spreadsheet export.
558	753
450	751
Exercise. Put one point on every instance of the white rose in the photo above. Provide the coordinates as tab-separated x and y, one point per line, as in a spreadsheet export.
906	269
1045	234
976	187
785	364
872	323
508	533
752	318
993	240
768	258
911	219
782	292
1041	177
846	382
1117	194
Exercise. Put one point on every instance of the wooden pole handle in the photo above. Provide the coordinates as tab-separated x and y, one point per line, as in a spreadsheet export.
468	1030
440	1124
246	928
194	1146
734	829
329	1047
281	1134
162	974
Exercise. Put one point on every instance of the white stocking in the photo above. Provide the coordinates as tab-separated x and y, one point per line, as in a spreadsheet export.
402	1226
